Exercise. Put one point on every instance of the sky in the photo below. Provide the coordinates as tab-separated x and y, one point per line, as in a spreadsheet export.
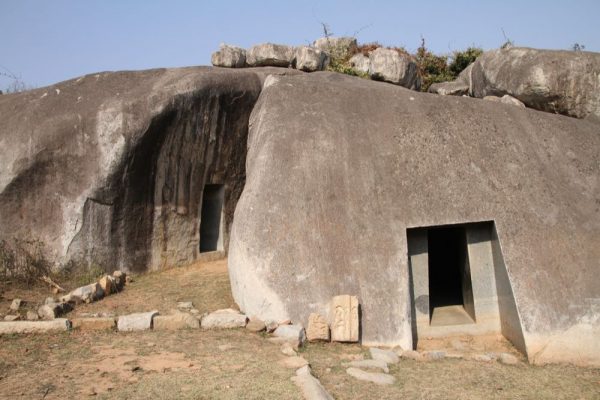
44	42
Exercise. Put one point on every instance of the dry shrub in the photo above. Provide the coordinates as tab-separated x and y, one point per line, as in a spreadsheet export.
23	261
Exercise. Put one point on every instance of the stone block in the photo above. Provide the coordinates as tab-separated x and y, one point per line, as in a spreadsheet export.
59	324
175	322
375	377
293	362
107	283
255	325
387	356
224	319
345	322
136	322
16	304
293	333
317	329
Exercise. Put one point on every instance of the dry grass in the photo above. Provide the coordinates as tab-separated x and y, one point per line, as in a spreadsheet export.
189	364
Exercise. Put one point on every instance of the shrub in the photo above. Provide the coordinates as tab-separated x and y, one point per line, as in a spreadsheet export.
462	59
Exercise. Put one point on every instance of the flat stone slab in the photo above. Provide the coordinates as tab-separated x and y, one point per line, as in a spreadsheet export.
59	324
309	385
224	319
136	322
387	356
175	322
375	377
93	324
370	364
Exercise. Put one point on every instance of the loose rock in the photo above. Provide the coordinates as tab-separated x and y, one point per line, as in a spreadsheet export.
310	59
185	305
107	284
255	325
53	310
175	322
294	333
360	63
269	54
59	324
224	319
509	359
229	57
310	386
12	317
434	355
136	322
375	377
388	65
32	316
412	354
288	350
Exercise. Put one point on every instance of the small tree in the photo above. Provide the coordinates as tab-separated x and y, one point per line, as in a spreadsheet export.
578	47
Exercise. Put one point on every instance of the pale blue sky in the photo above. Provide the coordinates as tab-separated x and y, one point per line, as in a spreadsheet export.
47	41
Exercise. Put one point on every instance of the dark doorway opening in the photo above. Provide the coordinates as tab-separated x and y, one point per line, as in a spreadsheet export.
210	217
450	289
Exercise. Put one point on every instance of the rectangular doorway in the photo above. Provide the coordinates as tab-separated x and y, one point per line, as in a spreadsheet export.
450	287
211	237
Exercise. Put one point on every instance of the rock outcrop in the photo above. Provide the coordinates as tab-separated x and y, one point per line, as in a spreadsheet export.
229	57
310	59
338	169
109	169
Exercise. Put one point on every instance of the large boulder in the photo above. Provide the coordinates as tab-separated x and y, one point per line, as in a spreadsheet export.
269	54
360	63
109	169
229	56
557	81
340	169
310	59
390	66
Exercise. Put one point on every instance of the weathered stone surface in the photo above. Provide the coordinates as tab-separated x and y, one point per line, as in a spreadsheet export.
310	59
175	322
269	54
59	324
317	328
390	66
93	324
486	152
136	321
360	63
293	362
294	333
375	377
271	326
310	386
375	363
224	319
338	47
16	304
76	158
288	350
387	356
344	318
229	56
53	310
255	325
564	82
12	317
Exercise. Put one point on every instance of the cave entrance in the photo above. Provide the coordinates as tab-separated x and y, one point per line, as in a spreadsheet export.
450	288
211	218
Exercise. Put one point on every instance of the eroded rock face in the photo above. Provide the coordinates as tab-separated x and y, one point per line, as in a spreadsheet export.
563	82
109	169
345	177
